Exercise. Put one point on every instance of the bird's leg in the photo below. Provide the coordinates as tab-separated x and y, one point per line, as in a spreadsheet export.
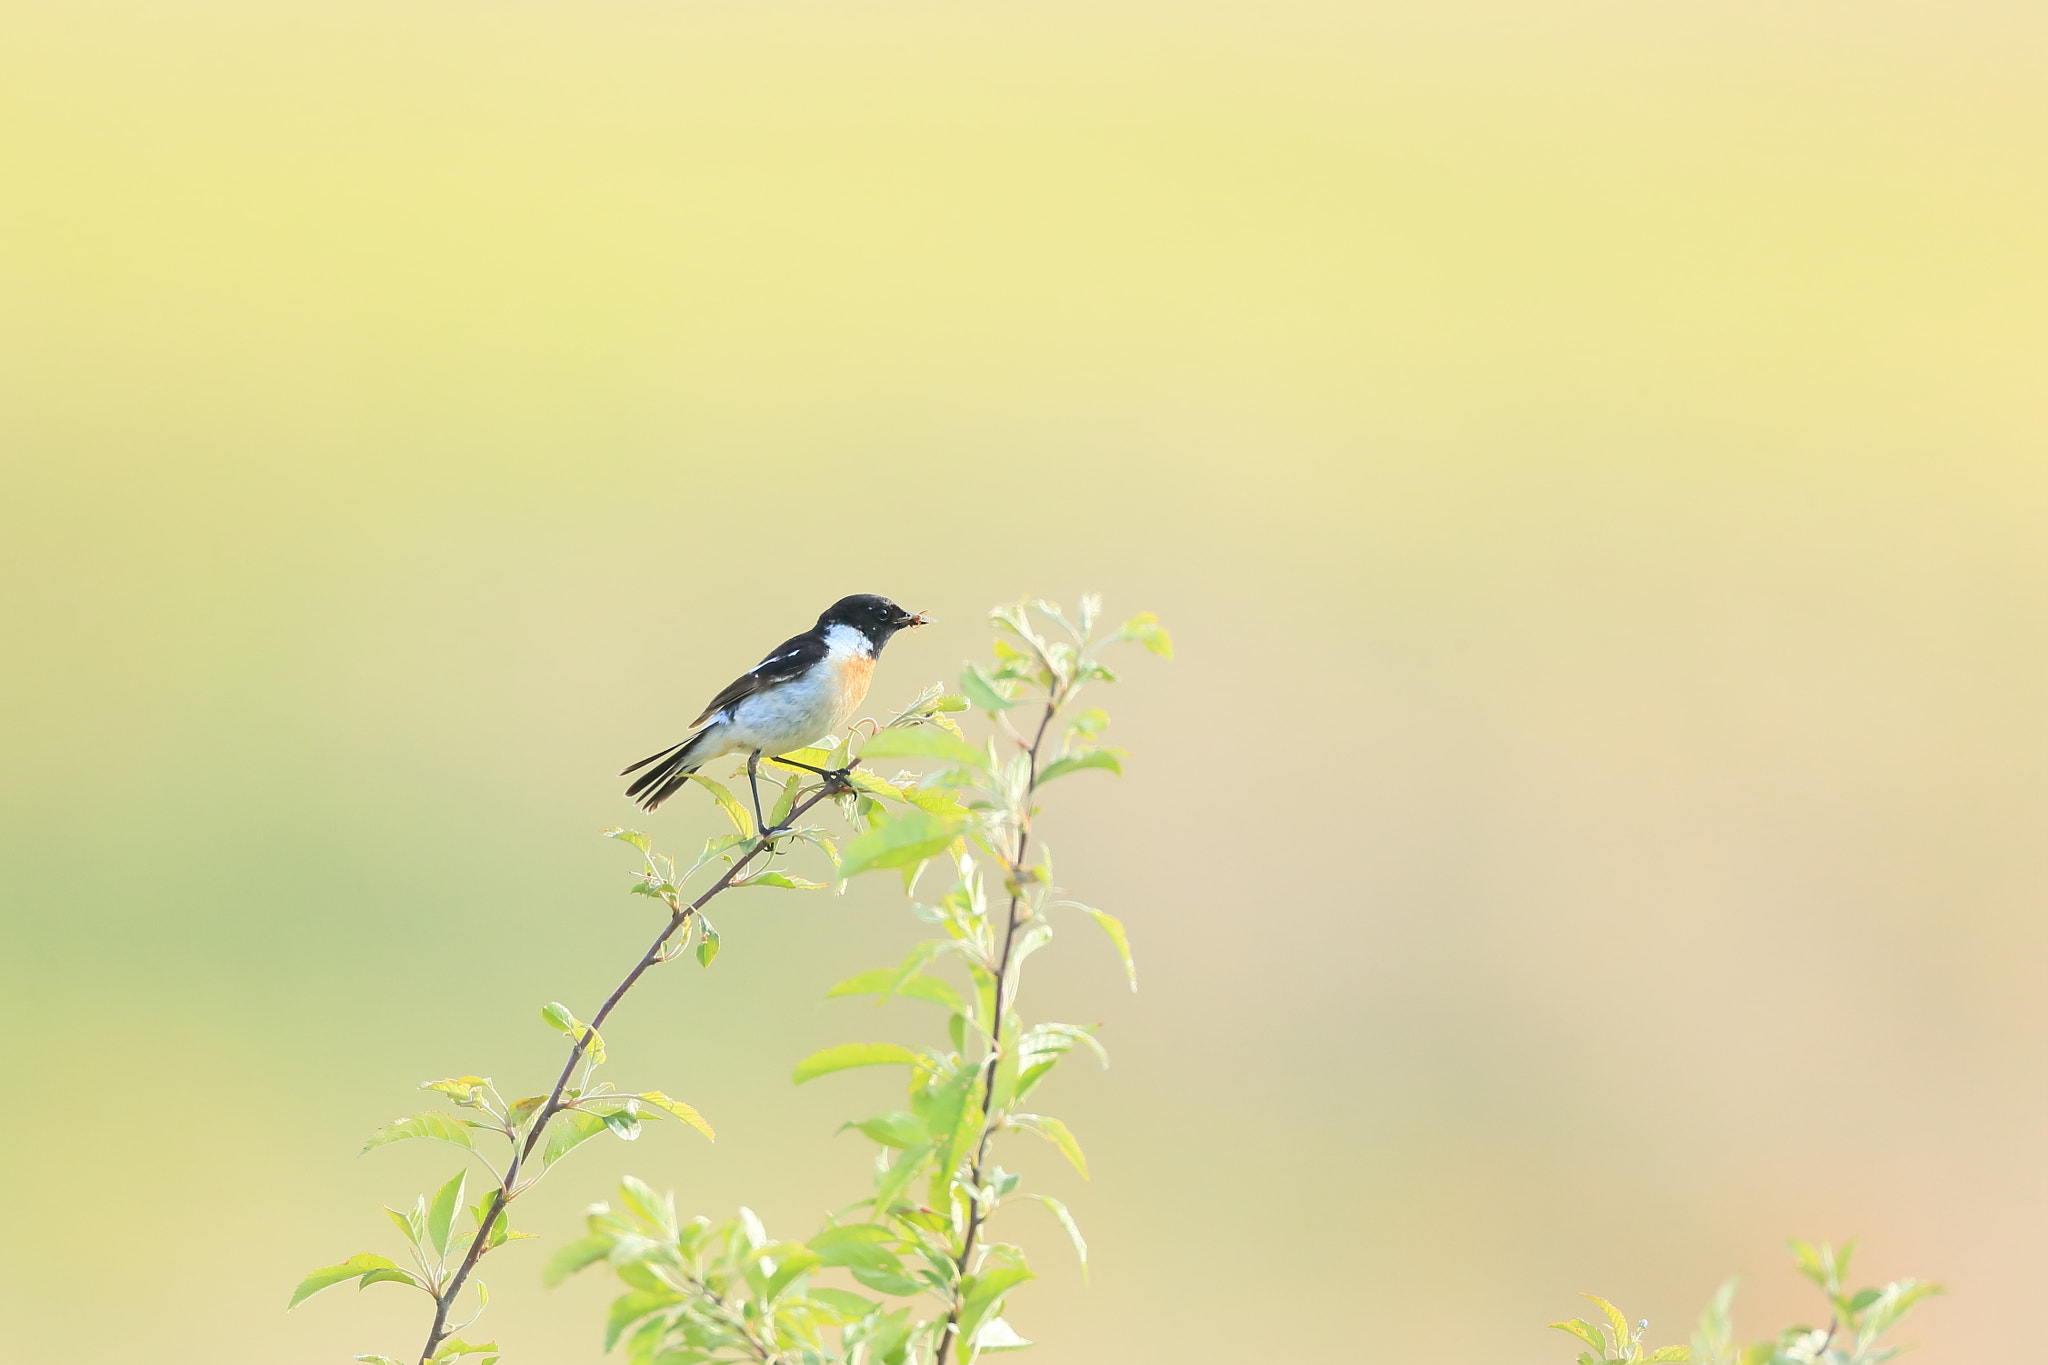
835	778
754	783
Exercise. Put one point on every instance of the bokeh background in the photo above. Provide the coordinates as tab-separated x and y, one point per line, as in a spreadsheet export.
1590	454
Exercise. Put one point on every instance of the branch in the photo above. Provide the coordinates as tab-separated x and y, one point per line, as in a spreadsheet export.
678	917
975	1213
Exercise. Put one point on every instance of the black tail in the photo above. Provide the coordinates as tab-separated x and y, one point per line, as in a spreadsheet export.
672	768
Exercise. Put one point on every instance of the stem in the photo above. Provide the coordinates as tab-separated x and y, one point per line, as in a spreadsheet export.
975	1213
678	917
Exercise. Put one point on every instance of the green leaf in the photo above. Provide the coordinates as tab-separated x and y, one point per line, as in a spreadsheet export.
1057	1133
894	1181
631	836
1146	630
1059	1211
557	1017
863	1249
895	1129
572	1129
850	1055
924	741
575	1256
519	1111
379	1360
1094	758
707	942
845	1302
997	1335
742	818
888	1344
913	836
622	1122
981	689
794	1263
784	880
327	1275
434	1123
1663	1353
1615	1317
456	1346
461	1089
680	1110
879	981
628	1309
982	1291
1584	1331
441	1214
394	1277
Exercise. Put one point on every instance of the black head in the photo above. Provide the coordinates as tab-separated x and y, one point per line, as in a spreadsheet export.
875	617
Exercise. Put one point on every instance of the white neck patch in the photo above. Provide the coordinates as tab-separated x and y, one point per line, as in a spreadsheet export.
844	639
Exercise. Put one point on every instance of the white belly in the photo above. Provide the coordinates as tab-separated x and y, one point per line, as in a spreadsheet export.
789	717
802	713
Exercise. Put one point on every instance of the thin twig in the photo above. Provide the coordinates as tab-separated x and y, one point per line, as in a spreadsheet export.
976	1214
678	917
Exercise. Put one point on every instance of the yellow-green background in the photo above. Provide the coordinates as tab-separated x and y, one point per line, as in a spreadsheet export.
1591	455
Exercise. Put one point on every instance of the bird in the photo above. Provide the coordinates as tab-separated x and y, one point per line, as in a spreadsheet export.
807	687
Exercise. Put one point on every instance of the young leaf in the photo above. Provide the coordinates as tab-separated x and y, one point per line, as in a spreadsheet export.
894	1182
707	942
895	1129
461	1089
981	690
1146	630
785	881
434	1123
910	838
1059	1211
850	1055
680	1110
1094	758
630	1308
1057	1133
623	1123
519	1111
1615	1318
334	1274
924	742
1114	927
983	1290
441	1214
998	1335
880	980
849	1305
557	1017
794	1263
394	1277
631	836
573	1257
573	1128
742	818
1584	1331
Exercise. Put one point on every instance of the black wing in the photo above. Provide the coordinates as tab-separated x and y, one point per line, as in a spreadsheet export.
786	662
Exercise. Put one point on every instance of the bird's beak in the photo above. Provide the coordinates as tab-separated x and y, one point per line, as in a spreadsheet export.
911	619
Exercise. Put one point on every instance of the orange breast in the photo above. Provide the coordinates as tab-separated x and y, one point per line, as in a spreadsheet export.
855	673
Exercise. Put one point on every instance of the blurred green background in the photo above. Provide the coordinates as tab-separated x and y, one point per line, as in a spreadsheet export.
1590	455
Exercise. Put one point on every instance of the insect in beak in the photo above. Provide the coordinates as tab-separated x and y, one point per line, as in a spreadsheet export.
911	620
